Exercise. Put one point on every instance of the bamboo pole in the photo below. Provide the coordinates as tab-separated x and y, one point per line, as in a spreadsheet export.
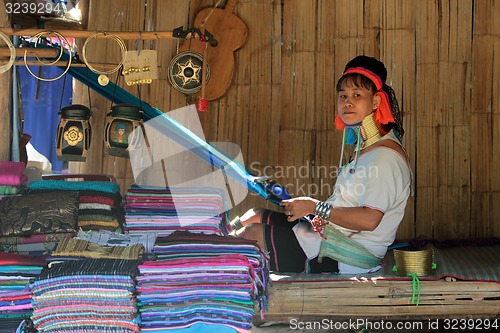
60	63
32	52
128	35
5	97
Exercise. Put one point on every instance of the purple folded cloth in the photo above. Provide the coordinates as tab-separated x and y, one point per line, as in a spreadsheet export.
11	173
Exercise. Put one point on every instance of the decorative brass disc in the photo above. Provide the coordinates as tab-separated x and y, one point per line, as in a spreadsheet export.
103	80
184	72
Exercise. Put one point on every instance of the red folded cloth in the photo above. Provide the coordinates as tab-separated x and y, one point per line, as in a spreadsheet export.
8	259
11	173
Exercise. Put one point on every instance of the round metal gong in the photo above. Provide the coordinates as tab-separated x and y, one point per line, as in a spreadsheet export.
184	72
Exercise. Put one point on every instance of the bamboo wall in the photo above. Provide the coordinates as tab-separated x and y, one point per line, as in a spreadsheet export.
443	62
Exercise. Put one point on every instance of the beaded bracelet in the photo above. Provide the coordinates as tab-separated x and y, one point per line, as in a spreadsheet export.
323	210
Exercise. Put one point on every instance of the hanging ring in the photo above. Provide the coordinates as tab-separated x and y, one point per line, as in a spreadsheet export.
44	33
12	49
120	43
61	40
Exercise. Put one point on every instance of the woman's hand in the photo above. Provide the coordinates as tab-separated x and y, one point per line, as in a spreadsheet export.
296	208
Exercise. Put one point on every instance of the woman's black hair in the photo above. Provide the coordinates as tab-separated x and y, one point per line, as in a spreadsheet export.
358	80
376	66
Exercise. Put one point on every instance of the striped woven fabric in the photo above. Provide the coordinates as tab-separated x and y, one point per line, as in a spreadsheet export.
165	210
202	279
16	273
89	295
81	248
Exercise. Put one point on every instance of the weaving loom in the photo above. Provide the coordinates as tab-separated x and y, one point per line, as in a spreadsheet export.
176	131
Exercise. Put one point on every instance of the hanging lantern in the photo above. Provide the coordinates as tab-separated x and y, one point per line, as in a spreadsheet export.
120	136
73	133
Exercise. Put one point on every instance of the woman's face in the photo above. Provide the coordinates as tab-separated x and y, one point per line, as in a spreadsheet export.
355	102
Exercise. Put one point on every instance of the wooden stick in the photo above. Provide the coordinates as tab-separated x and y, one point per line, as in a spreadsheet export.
204	71
32	52
60	63
145	35
202	102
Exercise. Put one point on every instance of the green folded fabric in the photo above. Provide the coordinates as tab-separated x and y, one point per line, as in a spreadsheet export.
343	249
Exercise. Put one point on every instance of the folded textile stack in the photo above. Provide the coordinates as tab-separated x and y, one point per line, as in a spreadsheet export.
33	244
33	223
100	202
12	178
90	295
75	249
165	210
202	279
109	238
16	273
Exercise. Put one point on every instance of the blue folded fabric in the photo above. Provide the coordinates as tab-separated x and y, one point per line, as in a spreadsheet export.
103	186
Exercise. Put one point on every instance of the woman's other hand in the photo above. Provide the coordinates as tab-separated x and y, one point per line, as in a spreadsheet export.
296	208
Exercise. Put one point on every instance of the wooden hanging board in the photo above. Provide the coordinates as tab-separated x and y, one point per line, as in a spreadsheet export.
140	67
231	33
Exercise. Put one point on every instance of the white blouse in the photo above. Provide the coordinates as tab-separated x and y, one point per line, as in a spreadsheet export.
381	181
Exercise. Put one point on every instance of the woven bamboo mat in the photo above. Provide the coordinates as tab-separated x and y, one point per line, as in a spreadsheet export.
468	263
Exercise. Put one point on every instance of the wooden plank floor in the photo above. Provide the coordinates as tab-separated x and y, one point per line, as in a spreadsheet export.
381	298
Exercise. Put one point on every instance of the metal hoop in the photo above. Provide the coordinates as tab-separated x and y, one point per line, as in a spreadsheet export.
43	33
61	39
12	49
117	39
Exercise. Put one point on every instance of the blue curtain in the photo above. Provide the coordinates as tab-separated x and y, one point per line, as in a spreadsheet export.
41	102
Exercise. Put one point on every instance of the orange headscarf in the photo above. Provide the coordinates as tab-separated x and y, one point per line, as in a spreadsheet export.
383	115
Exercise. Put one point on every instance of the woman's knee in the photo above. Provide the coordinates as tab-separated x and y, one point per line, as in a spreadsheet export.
253	215
254	231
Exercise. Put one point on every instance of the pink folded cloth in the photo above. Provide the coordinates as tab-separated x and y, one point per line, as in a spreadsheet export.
11	173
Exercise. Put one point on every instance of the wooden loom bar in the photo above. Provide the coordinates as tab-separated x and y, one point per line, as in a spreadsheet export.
127	35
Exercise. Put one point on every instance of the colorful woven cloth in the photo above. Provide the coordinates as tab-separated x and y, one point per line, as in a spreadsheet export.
105	237
16	273
33	244
165	210
202	280
81	248
90	295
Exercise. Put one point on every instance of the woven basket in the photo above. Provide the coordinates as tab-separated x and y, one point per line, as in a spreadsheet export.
410	261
